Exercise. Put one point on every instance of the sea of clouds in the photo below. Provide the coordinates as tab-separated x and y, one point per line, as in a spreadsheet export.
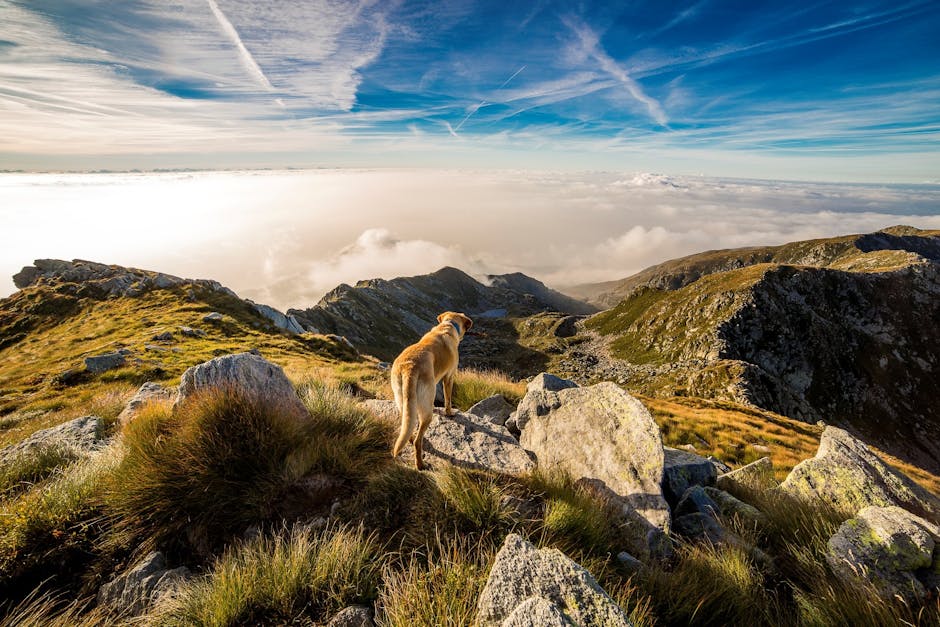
287	237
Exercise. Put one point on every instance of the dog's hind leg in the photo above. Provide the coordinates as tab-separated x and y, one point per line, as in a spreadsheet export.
404	390
424	421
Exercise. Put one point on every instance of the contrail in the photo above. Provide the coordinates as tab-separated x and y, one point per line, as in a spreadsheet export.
247	60
483	103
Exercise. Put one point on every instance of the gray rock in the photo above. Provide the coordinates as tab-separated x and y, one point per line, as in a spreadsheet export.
682	470
537	612
463	440
495	409
353	616
731	507
287	323
540	398
602	433
102	363
76	438
629	561
890	547
521	572
756	475
215	316
700	526
849	477
191	332
246	372
166	336
137	590
148	392
696	500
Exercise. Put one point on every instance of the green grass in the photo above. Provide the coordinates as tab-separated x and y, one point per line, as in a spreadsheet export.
476	497
438	587
26	469
292	575
472	386
225	461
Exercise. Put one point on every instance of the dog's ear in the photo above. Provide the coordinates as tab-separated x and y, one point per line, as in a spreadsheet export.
467	322
440	318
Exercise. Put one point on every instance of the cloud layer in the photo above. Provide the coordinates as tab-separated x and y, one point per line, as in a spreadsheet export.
286	238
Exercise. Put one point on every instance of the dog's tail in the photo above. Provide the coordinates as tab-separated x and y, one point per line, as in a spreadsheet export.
409	413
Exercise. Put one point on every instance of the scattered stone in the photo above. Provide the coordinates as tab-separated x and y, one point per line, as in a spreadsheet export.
681	470
700	526
756	475
148	392
76	438
719	465
103	363
696	500
166	336
731	507
521	508
604	434
849	477
191	332
215	316
140	588
247	373
495	409
893	549
629	561
383	365
521	572
353	616
72	376
464	440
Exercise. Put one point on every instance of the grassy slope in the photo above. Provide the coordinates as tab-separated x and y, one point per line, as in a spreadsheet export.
31	398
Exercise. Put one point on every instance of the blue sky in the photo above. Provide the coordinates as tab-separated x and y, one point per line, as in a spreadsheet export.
825	90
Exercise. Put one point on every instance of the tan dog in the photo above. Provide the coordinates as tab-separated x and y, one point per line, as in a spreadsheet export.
416	372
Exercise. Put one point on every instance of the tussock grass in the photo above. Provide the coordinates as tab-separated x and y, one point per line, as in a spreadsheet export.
472	386
45	512
476	497
279	579
574	519
438	588
226	460
51	610
26	469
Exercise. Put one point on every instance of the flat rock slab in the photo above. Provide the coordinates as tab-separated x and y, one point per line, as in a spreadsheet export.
103	363
463	440
756	475
890	547
846	475
603	434
526	582
78	437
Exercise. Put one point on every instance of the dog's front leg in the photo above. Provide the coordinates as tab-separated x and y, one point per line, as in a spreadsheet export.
448	394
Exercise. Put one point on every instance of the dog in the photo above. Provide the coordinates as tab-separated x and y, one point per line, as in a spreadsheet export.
415	373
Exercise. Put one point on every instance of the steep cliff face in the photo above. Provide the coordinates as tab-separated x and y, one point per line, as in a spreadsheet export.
852	343
381	317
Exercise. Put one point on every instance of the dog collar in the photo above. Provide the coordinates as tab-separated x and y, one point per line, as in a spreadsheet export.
456	326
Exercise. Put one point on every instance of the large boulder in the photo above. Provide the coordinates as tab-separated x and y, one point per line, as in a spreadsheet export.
849	477
682	470
73	439
536	579
891	548
495	409
149	392
463	440
247	373
140	588
603	434
541	395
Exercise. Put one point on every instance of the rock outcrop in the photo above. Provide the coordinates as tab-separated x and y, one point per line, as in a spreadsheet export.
246	372
758	474
541	396
495	409
75	438
548	586
602	434
102	363
463	440
146	393
284	322
891	548
140	588
847	476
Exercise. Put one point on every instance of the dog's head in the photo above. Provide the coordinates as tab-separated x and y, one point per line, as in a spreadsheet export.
462	322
